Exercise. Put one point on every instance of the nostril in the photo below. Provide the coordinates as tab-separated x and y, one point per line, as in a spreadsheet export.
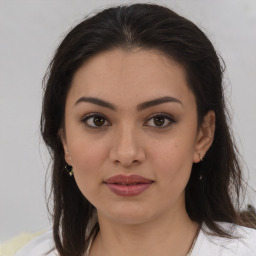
126	163
125	155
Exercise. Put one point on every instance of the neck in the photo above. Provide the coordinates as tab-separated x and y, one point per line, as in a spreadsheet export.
165	235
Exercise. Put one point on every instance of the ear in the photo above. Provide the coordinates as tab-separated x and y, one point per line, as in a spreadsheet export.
67	156
205	136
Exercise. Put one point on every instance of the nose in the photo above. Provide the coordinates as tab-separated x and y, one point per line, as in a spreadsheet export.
127	149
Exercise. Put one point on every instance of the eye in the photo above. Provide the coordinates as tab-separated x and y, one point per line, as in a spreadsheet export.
160	120
95	120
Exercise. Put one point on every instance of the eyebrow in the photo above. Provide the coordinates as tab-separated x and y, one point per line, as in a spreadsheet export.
140	107
97	101
158	101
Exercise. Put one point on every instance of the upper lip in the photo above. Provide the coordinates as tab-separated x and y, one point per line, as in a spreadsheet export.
124	179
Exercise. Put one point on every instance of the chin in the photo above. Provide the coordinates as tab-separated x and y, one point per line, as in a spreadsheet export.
127	214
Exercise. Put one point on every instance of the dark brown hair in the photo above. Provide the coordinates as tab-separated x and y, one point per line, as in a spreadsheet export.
213	198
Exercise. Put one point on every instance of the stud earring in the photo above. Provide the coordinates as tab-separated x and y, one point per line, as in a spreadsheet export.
70	172
201	158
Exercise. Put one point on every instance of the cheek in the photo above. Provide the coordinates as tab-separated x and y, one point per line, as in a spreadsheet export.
87	155
87	159
86	150
173	162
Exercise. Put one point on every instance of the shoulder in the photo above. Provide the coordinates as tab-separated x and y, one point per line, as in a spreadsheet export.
246	243
39	246
243	245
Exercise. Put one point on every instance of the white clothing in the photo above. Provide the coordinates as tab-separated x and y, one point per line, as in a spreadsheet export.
245	245
39	246
206	245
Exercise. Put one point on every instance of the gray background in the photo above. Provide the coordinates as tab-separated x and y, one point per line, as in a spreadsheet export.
29	34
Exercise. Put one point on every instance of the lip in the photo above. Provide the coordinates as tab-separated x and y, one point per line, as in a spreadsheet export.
124	185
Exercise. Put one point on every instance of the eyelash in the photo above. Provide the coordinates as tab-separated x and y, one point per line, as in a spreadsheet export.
92	116
164	116
104	119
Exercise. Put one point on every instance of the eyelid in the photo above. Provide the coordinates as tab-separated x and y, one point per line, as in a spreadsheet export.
91	115
94	114
166	116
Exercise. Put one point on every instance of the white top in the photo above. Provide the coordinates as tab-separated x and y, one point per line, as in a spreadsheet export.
205	244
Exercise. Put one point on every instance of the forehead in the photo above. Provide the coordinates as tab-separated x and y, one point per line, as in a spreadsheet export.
130	76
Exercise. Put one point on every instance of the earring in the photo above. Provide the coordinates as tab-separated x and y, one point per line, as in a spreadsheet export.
201	159
70	172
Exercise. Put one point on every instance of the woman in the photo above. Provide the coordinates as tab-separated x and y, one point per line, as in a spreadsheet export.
143	159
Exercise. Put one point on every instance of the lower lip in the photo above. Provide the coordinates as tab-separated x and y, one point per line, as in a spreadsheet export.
124	190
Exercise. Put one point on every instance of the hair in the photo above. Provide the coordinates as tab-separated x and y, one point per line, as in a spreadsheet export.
213	198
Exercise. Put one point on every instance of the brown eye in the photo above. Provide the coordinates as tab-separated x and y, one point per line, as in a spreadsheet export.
95	121
160	121
98	120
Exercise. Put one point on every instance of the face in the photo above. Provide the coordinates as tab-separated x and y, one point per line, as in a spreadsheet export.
131	134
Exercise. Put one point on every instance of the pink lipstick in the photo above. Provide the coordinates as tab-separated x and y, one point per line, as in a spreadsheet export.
132	185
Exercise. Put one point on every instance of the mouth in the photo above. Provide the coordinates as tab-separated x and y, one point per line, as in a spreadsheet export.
127	184
132	185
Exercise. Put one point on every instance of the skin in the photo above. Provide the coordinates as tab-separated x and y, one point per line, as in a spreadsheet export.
131	141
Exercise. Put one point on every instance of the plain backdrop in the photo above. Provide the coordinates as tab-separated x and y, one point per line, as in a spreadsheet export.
29	33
